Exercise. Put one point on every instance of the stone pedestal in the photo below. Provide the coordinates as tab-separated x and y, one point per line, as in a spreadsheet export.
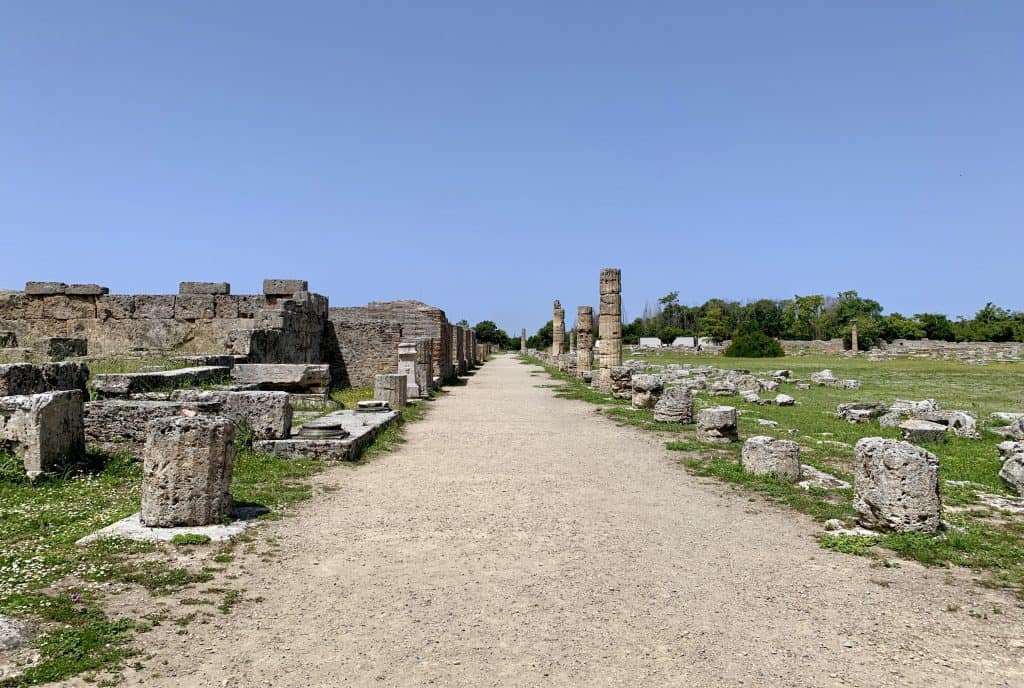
646	391
584	340
675	406
717	425
407	367
392	389
44	430
557	330
896	486
610	324
764	455
187	465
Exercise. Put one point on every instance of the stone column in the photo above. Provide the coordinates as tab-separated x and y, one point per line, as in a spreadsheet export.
392	389
522	340
407	367
853	336
557	330
187	465
610	324
584	340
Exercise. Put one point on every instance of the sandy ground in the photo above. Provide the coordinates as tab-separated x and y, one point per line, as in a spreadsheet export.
522	540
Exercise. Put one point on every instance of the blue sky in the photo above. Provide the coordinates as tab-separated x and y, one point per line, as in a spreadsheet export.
490	157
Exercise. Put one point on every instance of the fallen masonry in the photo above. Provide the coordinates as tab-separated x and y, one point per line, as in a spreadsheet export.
717	425
762	455
120	385
44	430
674	406
358	428
30	378
391	388
304	378
647	391
267	415
915	430
896	486
121	424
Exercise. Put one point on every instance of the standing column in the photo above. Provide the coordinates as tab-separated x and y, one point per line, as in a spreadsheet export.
610	324
557	330
522	340
584	340
853	336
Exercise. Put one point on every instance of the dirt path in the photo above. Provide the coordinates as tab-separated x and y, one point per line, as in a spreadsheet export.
521	540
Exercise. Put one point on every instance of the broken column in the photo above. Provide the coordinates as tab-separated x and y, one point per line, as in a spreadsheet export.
584	341
557	330
44	430
763	455
896	486
717	425
522	340
646	391
610	324
853	336
187	465
675	406
407	367
390	388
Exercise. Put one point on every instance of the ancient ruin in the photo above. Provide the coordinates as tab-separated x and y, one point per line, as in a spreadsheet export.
610	325
557	330
896	486
584	342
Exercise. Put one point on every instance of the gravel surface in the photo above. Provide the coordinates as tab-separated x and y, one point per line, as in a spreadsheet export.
522	540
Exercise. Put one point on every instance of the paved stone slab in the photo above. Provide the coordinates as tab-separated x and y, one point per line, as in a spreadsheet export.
114	385
132	528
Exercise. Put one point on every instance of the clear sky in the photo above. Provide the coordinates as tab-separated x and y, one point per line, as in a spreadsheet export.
488	157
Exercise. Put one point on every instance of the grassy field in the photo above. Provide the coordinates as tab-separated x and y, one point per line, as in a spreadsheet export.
45	577
988	540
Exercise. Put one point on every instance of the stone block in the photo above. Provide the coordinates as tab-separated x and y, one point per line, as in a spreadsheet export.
896	486
674	406
120	424
268	415
621	382
358	430
391	388
187	464
29	378
1012	470
308	378
717	425
646	391
154	307
114	385
193	307
248	305
86	290
59	348
763	455
407	367
225	306
915	430
115	307
284	287
44	430
44	288
212	288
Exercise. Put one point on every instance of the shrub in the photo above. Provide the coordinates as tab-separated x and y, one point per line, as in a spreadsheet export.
754	345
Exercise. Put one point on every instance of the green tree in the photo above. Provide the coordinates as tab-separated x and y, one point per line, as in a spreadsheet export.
543	338
489	332
805	315
936	326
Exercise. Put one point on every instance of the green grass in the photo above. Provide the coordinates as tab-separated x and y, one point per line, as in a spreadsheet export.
989	542
190	539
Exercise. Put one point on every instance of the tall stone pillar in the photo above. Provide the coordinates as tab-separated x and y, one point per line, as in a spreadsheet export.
853	337
557	330
610	324
584	340
522	340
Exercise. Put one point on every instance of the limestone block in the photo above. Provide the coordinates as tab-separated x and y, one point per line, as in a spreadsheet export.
150	307
646	391
915	430
225	306
763	455
896	486
407	367
717	425
621	382
86	290
723	388
1012	470
391	388
59	348
193	307
113	385
44	288
248	305
784	400
309	378
284	287
115	307
212	288
28	378
44	430
120	424
187	464
861	411
962	423
267	414
674	406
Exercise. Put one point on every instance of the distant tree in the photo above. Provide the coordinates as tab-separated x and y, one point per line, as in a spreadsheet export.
714	324
936	326
751	343
463	323
487	331
543	338
805	314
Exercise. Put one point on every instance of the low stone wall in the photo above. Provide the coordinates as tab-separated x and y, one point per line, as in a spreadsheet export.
812	346
982	351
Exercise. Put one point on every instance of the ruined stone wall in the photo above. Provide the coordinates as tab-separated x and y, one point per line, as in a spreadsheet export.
362	346
988	351
187	322
812	346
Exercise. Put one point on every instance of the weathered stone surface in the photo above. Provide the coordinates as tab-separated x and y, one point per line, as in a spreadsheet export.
28	378
621	382
1006	417
907	407
187	466
284	287
43	430
194	307
827	379
309	378
646	391
674	406
115	307
361	428
915	430
86	290
896	486
8	340
392	389
15	633
584	340
861	411
213	288
750	396
120	424
610	326
784	400
268	415
892	419
60	348
717	425
44	288
764	455
723	388
153	307
407	367
1014	430
962	423
1012	470
557	329
114	385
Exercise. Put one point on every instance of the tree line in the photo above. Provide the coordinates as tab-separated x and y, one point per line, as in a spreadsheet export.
815	316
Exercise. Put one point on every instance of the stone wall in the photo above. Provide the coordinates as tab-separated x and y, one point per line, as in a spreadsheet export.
813	346
981	351
361	347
